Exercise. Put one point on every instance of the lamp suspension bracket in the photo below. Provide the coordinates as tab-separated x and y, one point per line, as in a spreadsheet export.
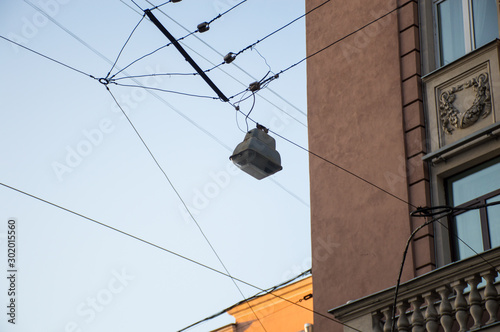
185	54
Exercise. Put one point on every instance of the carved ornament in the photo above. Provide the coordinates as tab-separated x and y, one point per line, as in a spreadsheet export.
452	118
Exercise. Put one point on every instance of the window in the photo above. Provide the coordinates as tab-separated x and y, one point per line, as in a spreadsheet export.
478	228
464	25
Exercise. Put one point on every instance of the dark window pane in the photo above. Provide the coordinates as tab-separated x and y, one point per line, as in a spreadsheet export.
451	30
485	21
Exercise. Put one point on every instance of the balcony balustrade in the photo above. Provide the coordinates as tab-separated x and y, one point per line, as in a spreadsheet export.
461	296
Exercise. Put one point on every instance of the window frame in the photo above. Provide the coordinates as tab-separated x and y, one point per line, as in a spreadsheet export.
484	222
468	24
438	176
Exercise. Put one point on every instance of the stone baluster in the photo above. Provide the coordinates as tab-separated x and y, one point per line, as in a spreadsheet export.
475	308
461	313
490	295
431	315
387	312
445	309
417	318
403	323
377	321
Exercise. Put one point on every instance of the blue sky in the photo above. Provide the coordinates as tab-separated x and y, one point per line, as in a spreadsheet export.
63	139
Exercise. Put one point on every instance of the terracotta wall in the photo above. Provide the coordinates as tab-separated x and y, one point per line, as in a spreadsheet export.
288	310
364	115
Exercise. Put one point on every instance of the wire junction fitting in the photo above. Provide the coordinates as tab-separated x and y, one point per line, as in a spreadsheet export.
255	86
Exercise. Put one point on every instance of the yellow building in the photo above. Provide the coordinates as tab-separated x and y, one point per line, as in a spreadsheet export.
286	309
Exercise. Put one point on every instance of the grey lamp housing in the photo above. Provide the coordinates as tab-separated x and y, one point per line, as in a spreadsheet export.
257	154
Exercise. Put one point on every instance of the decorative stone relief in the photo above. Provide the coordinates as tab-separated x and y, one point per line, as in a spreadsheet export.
453	118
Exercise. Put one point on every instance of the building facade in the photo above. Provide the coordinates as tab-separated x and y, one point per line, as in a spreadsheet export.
404	104
287	309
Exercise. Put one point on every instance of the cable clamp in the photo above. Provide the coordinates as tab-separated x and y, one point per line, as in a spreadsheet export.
255	86
203	27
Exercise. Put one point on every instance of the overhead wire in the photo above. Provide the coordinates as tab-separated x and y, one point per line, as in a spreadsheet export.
387	192
81	41
344	37
419	211
317	155
164	90
113	80
179	196
227	11
159	98
252	46
95	221
284	138
125	233
183	202
442	212
266	291
204	130
253	120
123	47
336	41
263	85
445	209
153	158
265	60
251	109
267	36
148	54
281	28
140	137
233	280
235	65
343	169
178	40
160	5
47	57
136	4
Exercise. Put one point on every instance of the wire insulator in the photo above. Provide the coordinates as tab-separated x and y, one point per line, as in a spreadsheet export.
203	27
229	57
174	1
255	86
